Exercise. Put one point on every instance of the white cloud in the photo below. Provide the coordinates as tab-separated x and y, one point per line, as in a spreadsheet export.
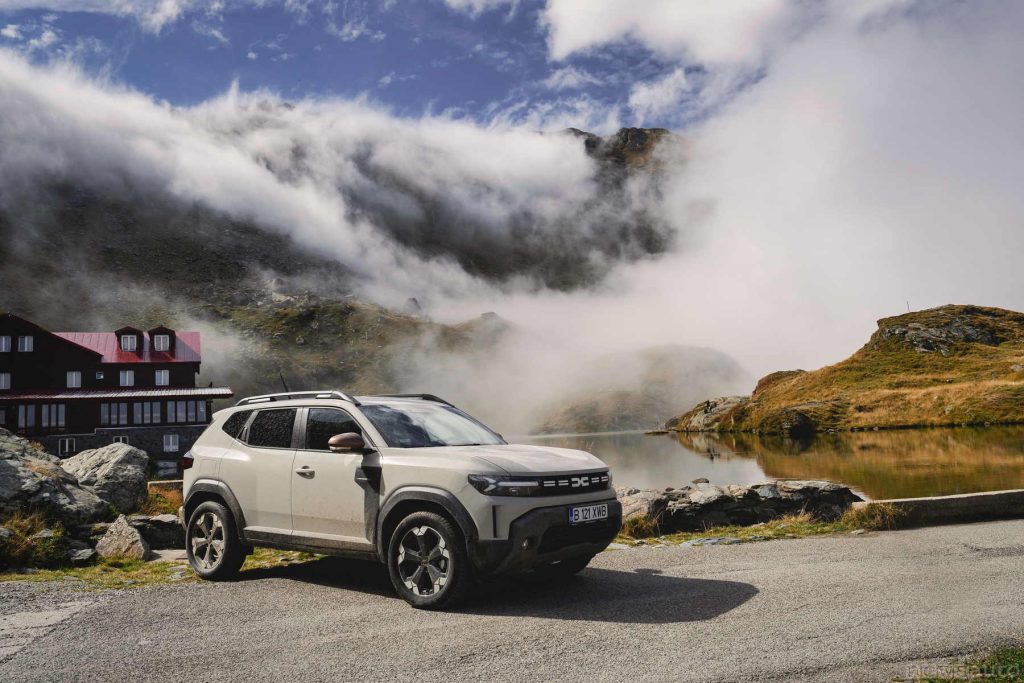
657	98
153	15
476	7
12	31
735	31
570	78
44	40
354	29
252	55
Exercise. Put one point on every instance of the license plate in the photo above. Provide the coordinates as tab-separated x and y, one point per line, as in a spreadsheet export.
588	513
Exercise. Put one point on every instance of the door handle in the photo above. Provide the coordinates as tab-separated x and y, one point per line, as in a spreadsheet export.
305	472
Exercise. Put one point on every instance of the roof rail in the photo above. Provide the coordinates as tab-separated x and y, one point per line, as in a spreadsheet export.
288	396
425	397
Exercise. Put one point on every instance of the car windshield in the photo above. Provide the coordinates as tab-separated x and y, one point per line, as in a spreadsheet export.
425	424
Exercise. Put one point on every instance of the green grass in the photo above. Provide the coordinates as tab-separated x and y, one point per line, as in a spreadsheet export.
118	574
1001	666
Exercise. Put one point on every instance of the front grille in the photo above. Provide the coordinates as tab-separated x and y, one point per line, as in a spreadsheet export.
572	483
559	537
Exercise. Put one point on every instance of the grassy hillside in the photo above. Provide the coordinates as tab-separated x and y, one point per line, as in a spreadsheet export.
953	365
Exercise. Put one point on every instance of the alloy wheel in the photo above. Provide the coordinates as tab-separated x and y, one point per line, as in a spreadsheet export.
207	540
424	560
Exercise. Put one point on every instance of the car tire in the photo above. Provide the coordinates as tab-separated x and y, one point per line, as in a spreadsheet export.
427	561
564	570
212	544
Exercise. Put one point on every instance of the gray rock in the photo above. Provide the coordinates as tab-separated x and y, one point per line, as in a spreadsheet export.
43	535
693	508
116	473
122	540
160	531
31	479
81	557
5	534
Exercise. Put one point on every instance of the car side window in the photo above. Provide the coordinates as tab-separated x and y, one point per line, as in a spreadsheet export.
323	423
272	428
234	424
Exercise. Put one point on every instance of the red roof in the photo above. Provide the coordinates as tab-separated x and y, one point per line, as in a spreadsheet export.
73	394
186	348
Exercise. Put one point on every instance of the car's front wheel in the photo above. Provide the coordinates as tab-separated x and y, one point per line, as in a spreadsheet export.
212	544
427	561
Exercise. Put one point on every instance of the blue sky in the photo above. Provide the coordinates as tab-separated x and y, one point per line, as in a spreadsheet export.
414	56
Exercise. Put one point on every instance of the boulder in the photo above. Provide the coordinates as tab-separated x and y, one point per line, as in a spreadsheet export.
704	505
122	540
32	479
162	532
641	503
81	557
116	473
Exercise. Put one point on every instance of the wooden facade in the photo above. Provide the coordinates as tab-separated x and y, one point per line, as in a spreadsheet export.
77	390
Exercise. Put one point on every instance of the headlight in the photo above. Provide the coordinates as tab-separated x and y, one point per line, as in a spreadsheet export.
499	485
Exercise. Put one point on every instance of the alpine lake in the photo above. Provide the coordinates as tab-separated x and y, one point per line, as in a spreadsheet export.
878	464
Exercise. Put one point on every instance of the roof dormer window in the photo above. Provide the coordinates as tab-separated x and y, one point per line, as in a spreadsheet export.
161	342
129	342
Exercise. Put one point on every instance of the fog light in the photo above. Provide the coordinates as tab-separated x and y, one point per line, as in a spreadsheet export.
526	544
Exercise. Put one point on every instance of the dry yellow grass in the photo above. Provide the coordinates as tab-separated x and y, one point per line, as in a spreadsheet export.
161	501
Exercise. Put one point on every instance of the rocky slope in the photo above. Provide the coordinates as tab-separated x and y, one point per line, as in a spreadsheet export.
952	365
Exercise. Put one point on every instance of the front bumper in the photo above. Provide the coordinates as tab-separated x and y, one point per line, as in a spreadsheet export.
548	537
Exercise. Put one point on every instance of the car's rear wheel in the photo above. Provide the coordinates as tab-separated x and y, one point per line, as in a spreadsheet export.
563	570
212	544
427	561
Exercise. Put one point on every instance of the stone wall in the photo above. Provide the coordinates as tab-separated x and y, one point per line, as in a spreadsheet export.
704	505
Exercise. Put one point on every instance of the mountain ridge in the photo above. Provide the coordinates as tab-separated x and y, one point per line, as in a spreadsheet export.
946	366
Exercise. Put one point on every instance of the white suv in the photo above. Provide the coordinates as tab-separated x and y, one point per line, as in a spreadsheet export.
411	481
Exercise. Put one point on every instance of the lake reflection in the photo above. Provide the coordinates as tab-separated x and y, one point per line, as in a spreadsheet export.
883	464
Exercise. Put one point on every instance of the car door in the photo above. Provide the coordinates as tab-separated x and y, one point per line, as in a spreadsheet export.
260	472
328	500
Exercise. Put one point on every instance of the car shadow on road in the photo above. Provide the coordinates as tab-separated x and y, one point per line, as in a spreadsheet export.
643	596
634	597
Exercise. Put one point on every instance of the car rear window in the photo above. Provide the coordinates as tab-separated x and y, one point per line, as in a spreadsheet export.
233	425
272	428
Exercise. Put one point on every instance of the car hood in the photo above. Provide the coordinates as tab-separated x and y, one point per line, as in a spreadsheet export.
523	459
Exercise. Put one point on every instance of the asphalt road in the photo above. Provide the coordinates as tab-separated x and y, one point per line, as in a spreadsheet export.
830	608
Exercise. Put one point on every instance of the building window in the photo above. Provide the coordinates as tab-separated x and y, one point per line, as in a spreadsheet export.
74	379
25	344
128	342
99	374
170	443
5	380
113	414
127	378
26	417
5	344
66	446
162	342
53	416
163	378
183	412
120	439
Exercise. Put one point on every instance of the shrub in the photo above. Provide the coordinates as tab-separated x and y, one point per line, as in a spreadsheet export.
640	527
20	549
873	517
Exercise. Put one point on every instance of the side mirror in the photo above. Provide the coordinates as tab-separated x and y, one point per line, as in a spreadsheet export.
348	442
